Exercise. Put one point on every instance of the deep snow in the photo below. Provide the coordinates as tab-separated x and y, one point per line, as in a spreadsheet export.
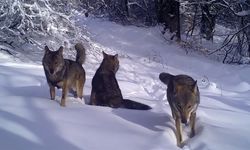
29	120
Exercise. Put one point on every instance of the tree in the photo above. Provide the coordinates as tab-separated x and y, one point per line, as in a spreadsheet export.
34	23
169	15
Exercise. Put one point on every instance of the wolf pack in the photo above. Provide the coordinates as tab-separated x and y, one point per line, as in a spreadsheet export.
182	91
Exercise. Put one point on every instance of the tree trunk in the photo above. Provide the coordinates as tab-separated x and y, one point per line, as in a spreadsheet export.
207	23
169	15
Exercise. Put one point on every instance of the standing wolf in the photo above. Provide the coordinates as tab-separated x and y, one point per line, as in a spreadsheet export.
183	97
64	73
105	89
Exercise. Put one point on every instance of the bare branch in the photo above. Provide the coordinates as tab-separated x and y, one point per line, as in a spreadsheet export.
232	37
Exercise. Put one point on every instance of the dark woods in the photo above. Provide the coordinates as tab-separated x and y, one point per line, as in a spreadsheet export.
191	22
187	19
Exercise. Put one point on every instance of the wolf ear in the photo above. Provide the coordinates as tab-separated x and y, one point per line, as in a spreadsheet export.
116	56
46	49
60	50
195	87
165	77
104	54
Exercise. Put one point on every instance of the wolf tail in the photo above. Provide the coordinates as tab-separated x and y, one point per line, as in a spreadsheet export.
165	77
81	53
129	104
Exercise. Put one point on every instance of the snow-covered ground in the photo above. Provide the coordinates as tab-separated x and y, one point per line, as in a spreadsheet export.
29	120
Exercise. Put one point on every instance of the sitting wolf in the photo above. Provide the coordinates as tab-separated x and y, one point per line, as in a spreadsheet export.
105	89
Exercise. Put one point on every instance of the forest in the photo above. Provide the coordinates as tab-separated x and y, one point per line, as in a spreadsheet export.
224	24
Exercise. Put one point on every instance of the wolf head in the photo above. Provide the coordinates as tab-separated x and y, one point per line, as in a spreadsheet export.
185	100
53	61
110	62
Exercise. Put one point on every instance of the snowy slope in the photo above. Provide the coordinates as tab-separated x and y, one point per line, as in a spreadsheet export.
29	120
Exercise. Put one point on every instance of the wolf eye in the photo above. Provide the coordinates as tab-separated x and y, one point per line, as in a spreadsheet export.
189	107
179	105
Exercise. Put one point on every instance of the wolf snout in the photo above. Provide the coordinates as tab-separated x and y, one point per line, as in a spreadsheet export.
51	71
184	120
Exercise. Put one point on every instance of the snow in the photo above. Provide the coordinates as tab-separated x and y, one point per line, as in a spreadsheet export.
29	120
243	13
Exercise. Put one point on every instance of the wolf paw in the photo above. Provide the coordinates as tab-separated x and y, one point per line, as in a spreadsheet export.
192	135
62	104
186	147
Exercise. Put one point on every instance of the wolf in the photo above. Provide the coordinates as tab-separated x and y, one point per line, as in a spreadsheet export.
64	73
183	97
105	88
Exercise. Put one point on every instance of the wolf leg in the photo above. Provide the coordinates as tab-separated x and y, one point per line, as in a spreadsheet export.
64	93
192	124
178	131
52	92
173	114
93	98
172	110
79	88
